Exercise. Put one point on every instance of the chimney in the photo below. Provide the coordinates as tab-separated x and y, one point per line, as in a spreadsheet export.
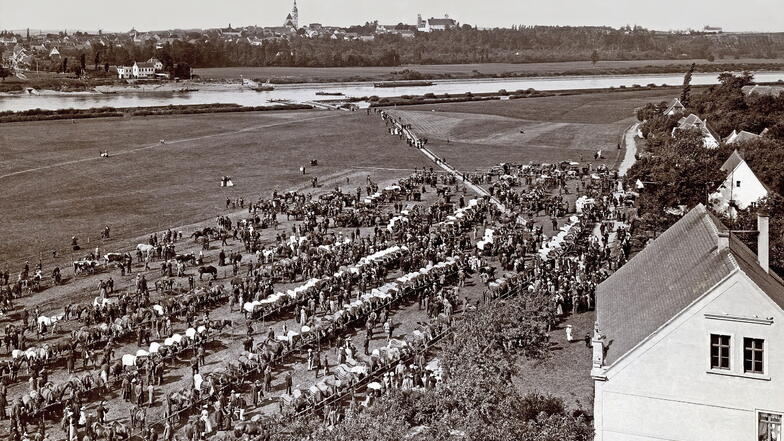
763	249
724	240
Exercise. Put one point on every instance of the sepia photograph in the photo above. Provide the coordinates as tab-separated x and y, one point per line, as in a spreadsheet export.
407	220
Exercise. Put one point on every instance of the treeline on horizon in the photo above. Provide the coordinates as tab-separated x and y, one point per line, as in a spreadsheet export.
462	45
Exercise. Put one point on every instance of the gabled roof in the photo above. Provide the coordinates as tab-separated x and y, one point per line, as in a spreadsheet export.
694	122
763	90
689	122
742	136
145	65
731	165
678	268
675	105
732	162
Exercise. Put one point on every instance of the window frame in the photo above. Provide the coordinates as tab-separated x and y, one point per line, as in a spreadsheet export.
762	359
760	412
728	348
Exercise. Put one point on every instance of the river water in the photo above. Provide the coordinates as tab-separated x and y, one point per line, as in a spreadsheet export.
299	93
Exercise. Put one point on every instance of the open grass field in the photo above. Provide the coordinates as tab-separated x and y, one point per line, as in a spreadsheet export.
313	74
55	185
478	135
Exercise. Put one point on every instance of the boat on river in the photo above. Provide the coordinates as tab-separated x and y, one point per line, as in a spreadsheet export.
403	84
253	85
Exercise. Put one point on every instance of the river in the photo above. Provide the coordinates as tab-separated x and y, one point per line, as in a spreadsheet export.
299	93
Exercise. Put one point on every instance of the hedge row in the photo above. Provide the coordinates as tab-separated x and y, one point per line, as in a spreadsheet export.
102	112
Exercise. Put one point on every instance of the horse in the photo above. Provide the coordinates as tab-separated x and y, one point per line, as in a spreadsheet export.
220	324
251	428
206	232
209	269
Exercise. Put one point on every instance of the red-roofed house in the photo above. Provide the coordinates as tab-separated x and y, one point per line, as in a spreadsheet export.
688	337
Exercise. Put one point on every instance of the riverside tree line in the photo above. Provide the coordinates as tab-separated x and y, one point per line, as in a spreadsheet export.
461	45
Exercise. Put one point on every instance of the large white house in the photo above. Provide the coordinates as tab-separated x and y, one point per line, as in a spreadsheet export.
740	189
689	335
693	122
138	70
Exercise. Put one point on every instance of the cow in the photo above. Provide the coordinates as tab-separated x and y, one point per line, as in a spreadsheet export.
85	265
145	249
115	257
185	258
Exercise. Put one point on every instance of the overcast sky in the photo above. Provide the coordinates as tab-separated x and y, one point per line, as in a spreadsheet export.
732	15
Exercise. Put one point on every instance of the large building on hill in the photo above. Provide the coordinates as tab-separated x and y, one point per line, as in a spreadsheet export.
688	340
435	24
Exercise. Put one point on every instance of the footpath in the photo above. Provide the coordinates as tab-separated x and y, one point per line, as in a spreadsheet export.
413	139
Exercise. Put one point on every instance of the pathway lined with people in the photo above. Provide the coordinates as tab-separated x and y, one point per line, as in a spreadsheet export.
413	139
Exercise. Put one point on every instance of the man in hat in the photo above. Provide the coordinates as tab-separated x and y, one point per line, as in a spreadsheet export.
310	359
267	380
100	412
254	393
288	382
138	393
270	334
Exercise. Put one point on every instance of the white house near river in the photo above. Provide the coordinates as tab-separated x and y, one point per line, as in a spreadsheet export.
740	189
688	345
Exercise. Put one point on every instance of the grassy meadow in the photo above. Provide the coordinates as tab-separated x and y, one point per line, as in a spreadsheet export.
478	135
55	184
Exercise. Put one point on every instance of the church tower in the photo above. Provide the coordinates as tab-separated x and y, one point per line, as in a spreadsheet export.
295	15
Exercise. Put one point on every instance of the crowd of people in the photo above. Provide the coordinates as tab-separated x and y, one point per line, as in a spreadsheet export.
339	252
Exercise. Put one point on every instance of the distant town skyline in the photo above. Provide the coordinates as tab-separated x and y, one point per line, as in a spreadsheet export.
145	15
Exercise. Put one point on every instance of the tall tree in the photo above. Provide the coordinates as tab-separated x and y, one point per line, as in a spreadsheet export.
65	65
595	56
686	91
